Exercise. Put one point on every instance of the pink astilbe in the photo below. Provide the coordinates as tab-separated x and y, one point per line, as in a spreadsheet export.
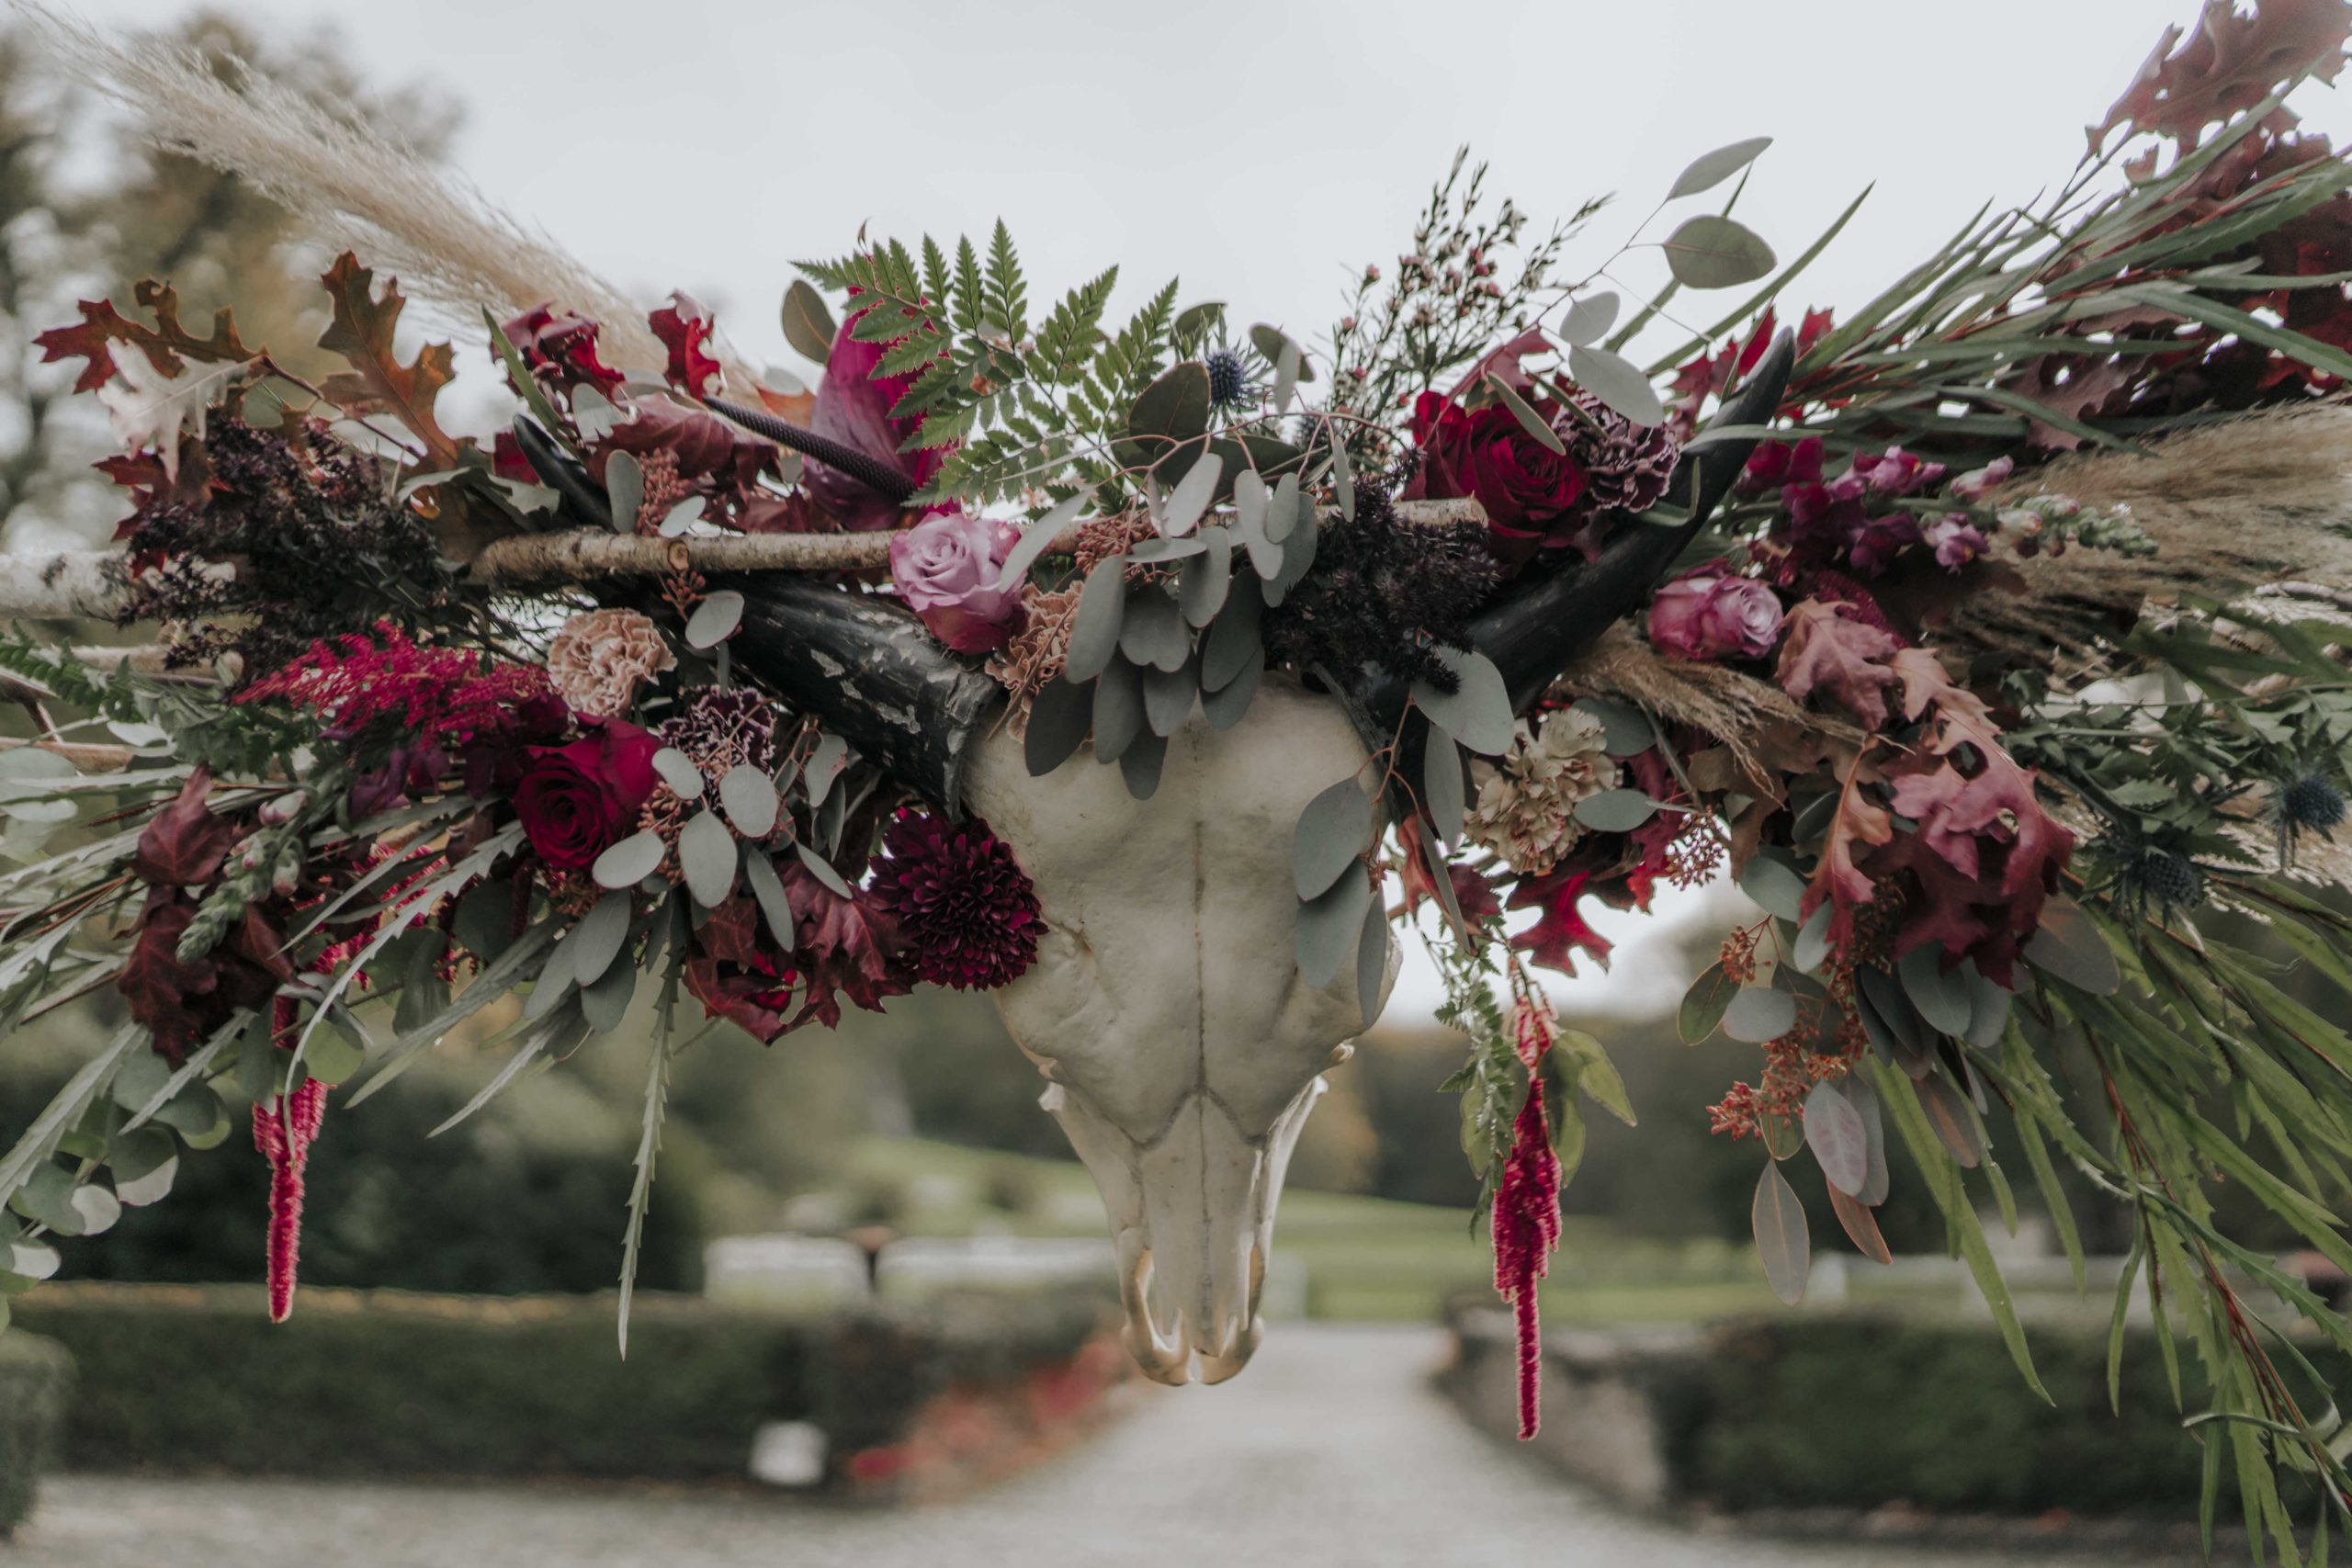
283	1132
1527	1210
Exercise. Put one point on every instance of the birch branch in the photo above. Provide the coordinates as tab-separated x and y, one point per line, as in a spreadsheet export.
572	556
92	583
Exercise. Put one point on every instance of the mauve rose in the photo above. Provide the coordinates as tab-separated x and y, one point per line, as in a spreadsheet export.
1485	453
1709	613
577	801
946	567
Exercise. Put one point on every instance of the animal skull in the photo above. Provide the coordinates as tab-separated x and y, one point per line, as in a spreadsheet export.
1183	1049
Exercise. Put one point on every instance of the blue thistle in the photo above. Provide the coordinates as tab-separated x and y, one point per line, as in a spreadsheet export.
2309	804
1230	381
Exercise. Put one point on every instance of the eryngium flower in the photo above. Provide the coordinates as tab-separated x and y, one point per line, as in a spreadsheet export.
966	910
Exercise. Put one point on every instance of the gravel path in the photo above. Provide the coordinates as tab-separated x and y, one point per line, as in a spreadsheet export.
1329	1450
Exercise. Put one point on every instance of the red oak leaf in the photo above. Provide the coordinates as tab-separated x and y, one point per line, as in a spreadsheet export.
1552	940
361	331
1858	826
1830	650
184	844
167	344
2231	62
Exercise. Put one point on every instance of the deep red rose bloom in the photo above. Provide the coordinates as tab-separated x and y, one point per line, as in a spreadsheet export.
1523	484
577	801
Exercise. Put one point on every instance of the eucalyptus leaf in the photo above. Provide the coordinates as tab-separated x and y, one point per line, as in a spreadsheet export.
1330	926
1781	1238
1167	697
333	1057
1193	494
1811	950
600	936
1590	319
1298	559
1272	340
1940	995
1711	169
1533	424
822	870
1038	538
1224	707
1232	639
1208	577
1776	886
1713	251
706	855
1759	1013
605	1001
1152	629
1615	810
748	795
1139	764
1703	1004
1618	382
1840	1141
1371	961
628	862
1876	1181
1333	833
1118	710
624	490
1443	790
1060	716
1477	713
678	771
1283	510
1988	1008
682	517
714	620
767	888
807	322
1094	630
144	1165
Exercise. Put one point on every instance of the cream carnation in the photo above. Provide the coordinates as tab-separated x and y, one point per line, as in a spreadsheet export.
1526	803
599	661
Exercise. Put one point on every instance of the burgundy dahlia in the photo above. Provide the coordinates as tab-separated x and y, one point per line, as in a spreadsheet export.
967	914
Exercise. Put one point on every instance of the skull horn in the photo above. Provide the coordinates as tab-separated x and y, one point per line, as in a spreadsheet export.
861	663
879	477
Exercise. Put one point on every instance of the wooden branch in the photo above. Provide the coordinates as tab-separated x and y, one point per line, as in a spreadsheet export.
572	556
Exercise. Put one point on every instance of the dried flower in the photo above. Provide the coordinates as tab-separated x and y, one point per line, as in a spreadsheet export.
1526	806
967	914
1028	663
599	661
283	1132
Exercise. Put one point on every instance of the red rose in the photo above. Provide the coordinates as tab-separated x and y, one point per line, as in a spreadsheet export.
1523	484
577	801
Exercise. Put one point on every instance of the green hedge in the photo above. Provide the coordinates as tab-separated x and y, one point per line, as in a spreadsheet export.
189	1378
35	1375
1856	1410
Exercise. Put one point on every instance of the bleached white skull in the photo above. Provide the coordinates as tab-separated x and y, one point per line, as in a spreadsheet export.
1183	1047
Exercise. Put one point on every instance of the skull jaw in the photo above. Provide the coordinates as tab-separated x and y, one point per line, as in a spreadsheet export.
1207	1190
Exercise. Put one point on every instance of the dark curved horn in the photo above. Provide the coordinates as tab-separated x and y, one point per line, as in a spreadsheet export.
861	664
1535	629
879	477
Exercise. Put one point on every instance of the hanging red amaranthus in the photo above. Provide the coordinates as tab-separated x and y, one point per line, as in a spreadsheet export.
1527	1203
282	1132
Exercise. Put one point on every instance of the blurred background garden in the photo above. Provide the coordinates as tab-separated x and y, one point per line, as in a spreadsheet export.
874	1270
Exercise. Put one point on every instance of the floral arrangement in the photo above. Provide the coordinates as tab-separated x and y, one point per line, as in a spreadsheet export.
1990	634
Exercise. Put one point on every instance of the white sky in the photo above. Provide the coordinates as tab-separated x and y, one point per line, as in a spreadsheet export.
1262	150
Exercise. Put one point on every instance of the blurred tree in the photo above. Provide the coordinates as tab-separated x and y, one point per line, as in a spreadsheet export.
146	214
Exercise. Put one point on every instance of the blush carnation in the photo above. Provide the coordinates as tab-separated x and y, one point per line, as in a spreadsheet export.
966	911
600	659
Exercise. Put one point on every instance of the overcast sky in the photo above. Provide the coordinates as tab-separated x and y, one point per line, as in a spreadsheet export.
1261	150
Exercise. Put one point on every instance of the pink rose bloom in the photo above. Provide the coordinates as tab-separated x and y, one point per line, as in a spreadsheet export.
945	567
1709	613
